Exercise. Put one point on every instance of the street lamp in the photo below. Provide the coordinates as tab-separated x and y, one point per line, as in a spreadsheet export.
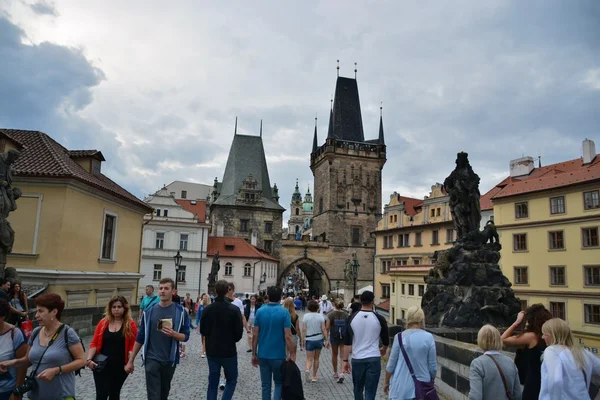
177	258
355	266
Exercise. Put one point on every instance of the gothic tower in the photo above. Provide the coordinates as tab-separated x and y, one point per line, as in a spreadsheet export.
296	221
347	178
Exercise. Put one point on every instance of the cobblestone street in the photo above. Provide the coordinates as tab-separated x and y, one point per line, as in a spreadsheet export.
191	377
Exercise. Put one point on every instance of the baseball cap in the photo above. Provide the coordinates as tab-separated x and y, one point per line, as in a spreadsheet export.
367	297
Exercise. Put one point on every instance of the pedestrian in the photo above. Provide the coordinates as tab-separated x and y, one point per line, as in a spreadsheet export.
162	328
250	310
336	326
567	368
12	346
325	306
298	303
54	349
176	297
5	289
355	300
18	305
295	322
272	343
221	327
531	346
188	303
492	372
113	339
148	301
365	331
315	337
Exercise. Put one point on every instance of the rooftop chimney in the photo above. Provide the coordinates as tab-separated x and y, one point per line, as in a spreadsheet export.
521	166
589	151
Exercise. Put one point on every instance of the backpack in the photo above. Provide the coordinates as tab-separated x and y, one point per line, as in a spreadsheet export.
292	382
66	333
339	328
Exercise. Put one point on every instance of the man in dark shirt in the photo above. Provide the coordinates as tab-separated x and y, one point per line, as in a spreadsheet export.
221	325
4	288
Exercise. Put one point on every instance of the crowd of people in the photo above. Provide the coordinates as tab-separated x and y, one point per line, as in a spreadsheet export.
548	364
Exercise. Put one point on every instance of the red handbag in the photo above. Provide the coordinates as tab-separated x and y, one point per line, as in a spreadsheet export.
27	328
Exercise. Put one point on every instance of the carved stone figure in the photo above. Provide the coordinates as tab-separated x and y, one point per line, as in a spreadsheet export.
463	187
8	203
214	269
348	275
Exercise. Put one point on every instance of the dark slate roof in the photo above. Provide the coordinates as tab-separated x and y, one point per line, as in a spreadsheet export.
246	156
381	138
86	153
347	118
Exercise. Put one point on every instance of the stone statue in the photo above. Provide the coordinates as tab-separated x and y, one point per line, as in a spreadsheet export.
214	269
463	187
348	275
8	203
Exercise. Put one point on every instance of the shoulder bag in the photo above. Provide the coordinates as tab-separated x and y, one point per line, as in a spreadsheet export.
508	393
423	390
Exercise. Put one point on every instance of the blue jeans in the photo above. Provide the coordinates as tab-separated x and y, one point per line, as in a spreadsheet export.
271	369
365	376
230	368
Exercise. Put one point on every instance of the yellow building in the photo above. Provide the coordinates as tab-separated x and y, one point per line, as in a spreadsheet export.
548	220
77	233
407	235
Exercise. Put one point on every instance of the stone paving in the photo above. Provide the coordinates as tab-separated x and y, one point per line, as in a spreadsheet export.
191	378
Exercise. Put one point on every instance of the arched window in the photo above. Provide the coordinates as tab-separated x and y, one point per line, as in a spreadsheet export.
228	269
247	269
297	211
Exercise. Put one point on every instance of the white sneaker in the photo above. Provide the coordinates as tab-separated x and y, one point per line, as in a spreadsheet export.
307	376
222	384
341	379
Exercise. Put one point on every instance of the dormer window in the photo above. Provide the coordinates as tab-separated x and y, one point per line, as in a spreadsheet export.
96	167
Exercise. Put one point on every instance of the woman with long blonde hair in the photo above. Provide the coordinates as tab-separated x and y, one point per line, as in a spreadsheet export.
567	368
204	302
114	338
296	333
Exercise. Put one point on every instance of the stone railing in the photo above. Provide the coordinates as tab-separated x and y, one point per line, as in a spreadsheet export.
454	359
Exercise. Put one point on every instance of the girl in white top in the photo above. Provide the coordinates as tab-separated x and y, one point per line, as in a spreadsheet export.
315	336
567	368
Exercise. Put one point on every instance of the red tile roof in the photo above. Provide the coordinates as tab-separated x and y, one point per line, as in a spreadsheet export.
198	209
385	305
410	205
550	177
42	156
235	247
485	201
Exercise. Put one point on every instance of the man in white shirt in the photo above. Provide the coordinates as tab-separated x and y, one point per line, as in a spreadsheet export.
365	330
325	305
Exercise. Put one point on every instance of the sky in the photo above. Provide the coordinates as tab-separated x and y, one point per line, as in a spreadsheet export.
156	86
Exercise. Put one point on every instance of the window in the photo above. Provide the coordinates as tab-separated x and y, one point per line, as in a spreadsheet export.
355	236
184	194
418	239
297	228
556	240
228	269
183	241
523	305
160	240
592	275
437	212
557	205
416	261
449	235
520	242
108	237
388	241
403	240
385	291
432	212
403	314
521	210
166	213
268	227
395	217
385	266
435	237
393	287
592	313
591	199
558	310
557	276
181	274
391	218
421	290
96	167
590	237
247	269
157	212
243	225
411	289
297	211
268	246
157	273
403	291
403	261
521	276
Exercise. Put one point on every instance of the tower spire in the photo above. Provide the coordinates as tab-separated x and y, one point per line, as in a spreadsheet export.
261	128
314	149
235	129
330	129
338	68
381	138
355	71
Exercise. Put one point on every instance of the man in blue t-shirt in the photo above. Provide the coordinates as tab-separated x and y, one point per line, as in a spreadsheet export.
148	301
271	335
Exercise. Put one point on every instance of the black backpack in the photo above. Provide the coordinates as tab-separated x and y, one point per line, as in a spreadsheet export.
339	328
66	333
292	382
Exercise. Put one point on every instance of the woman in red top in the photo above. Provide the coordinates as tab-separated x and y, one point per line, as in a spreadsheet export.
114	338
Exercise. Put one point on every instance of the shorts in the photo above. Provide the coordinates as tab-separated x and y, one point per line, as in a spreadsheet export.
312	345
335	341
295	340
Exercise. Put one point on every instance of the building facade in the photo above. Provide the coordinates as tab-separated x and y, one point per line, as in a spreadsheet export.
244	204
77	233
175	226
548	219
189	190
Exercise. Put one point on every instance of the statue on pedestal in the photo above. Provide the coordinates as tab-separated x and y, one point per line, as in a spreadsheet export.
348	274
213	276
8	203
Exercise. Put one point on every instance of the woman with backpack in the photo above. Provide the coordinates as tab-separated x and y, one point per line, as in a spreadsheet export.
336	325
315	336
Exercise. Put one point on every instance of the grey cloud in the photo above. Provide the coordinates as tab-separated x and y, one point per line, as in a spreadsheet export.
42	7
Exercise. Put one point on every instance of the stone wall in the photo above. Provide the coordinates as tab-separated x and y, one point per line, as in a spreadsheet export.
454	359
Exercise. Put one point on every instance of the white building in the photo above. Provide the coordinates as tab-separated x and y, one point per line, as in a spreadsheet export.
175	225
189	190
249	268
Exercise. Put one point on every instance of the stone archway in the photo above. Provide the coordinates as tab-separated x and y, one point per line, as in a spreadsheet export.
318	280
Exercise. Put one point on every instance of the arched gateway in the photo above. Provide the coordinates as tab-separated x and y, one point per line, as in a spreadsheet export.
318	281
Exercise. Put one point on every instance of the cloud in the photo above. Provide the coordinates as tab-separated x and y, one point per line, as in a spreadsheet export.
44	8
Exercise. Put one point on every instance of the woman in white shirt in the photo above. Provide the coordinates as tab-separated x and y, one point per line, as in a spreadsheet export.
315	336
567	368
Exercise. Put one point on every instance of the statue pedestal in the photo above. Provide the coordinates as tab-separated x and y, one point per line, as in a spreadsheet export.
348	293
473	290
211	289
